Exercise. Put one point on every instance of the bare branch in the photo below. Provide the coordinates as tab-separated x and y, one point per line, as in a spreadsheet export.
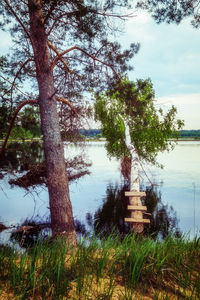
56	20
63	100
86	53
31	102
122	17
104	14
52	7
59	57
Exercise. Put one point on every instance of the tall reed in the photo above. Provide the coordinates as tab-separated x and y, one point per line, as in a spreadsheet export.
103	269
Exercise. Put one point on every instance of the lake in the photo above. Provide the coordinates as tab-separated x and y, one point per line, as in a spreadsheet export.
178	182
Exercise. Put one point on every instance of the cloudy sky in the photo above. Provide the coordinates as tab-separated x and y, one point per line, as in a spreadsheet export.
170	56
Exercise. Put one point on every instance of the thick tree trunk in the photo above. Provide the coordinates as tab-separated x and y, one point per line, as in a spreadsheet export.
62	221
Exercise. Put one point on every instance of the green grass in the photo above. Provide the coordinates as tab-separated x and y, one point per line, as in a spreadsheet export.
107	269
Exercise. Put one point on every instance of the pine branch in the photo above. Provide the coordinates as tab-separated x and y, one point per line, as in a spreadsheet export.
86	53
59	57
63	100
24	28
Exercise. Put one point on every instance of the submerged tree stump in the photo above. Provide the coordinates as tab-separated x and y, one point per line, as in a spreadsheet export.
137	210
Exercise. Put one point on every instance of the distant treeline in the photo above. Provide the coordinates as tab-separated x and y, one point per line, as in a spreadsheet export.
91	132
193	134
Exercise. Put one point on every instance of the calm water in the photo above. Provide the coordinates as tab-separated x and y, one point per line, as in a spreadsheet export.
179	183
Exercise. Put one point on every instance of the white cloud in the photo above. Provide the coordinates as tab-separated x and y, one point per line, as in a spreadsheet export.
188	107
169	55
180	99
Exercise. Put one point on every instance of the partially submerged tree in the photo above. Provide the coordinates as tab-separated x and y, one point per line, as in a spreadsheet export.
59	45
132	125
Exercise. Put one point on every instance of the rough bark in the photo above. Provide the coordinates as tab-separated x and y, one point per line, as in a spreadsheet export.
62	221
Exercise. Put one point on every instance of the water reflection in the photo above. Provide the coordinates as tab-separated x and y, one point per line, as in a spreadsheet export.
26	162
181	170
163	217
20	157
28	233
23	165
110	217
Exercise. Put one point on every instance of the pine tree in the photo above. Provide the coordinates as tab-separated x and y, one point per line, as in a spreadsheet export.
66	49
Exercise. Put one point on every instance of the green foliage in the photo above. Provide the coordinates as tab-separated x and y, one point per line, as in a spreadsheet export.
30	120
150	129
93	64
27	125
4	119
172	11
84	24
19	132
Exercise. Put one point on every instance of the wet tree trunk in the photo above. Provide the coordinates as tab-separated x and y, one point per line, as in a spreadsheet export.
62	221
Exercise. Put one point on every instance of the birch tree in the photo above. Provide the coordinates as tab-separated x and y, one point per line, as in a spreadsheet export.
132	125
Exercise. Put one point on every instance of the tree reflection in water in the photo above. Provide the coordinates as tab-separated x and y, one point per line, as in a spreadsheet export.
26	165
26	161
110	217
20	157
30	231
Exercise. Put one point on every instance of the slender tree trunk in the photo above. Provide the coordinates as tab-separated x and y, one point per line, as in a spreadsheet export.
60	206
135	186
134	180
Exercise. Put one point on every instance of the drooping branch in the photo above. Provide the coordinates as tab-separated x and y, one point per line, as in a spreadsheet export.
65	101
59	57
31	102
86	53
